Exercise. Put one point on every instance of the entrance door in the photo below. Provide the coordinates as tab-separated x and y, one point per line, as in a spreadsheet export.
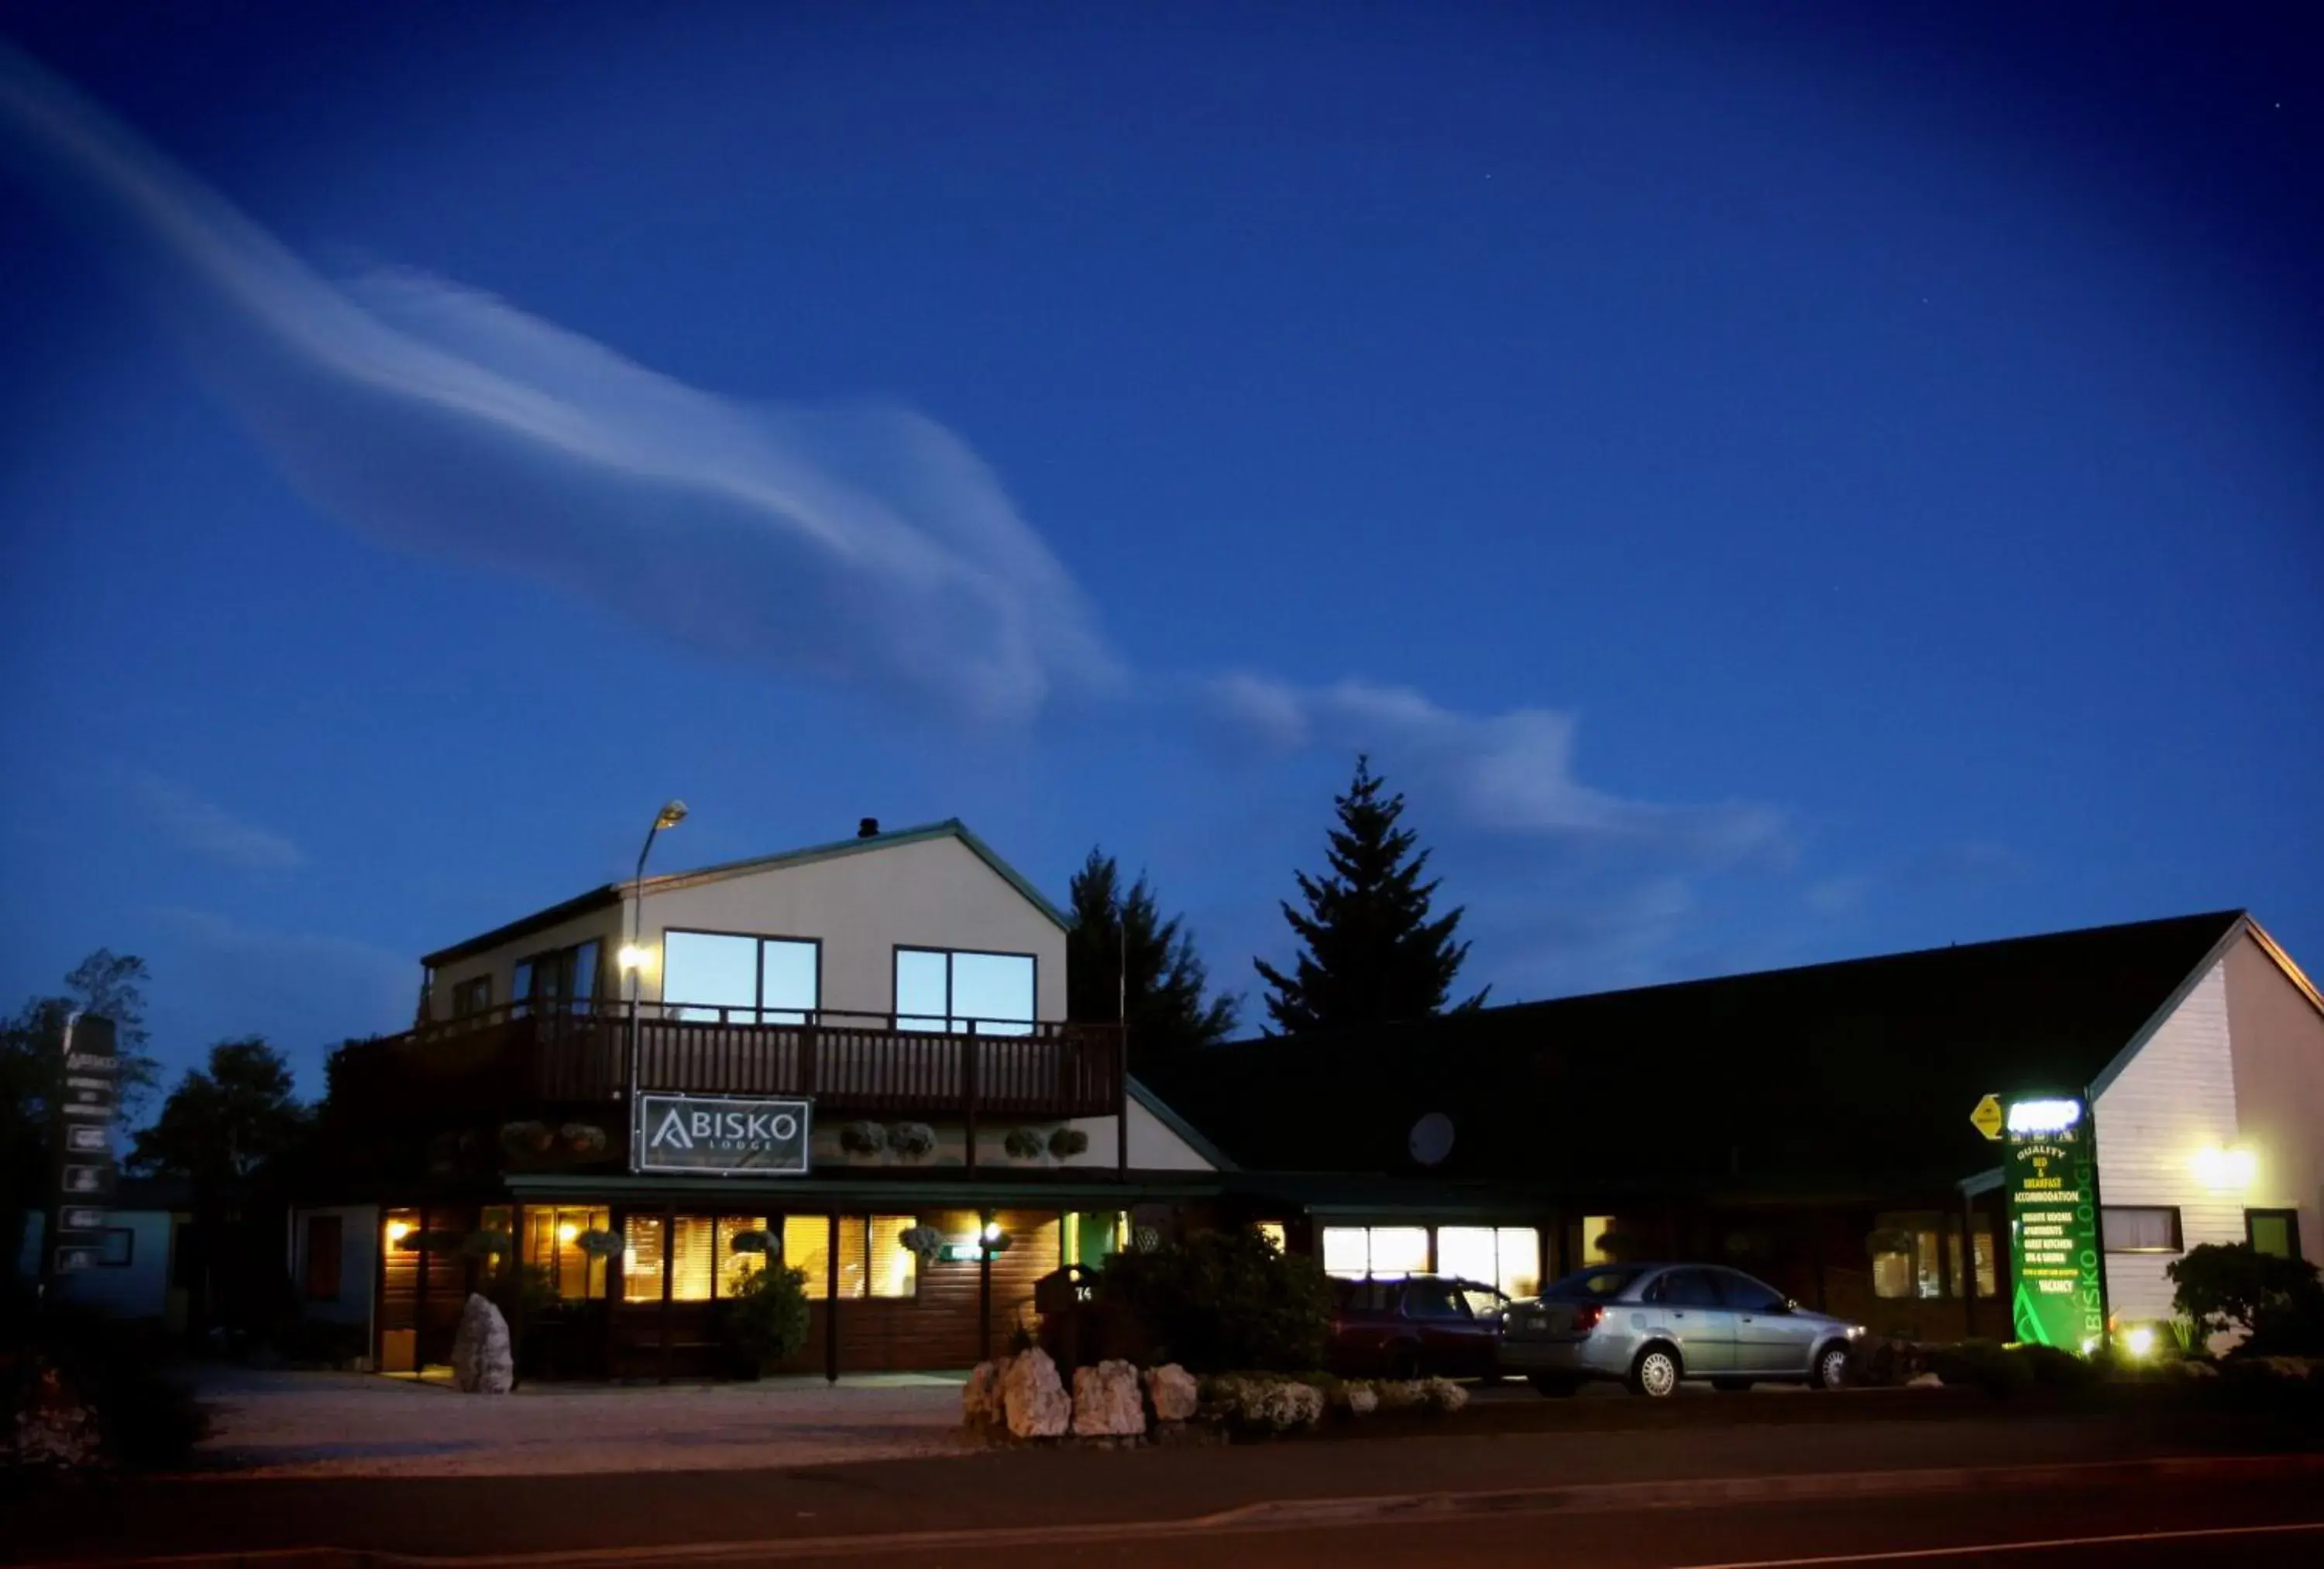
1693	1314
1769	1338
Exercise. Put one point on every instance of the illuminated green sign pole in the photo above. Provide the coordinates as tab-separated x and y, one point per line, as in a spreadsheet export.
2057	1271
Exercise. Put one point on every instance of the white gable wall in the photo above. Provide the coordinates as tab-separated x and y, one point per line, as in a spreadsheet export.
2175	1097
929	893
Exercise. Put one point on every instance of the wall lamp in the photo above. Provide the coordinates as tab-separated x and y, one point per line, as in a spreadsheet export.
2218	1168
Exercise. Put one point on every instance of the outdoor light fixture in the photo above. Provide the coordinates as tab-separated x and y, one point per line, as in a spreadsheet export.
634	956
2218	1168
397	1229
567	1232
2138	1339
671	814
2043	1117
992	1230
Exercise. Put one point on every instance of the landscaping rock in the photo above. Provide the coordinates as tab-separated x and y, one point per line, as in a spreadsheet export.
1035	1397
1107	1403
1442	1394
1362	1399
1286	1406
1927	1381
482	1362
980	1404
53	1425
1173	1391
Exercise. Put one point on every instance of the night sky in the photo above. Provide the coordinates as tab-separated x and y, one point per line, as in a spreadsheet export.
1771	483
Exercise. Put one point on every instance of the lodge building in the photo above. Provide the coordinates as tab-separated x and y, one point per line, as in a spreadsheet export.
953	1137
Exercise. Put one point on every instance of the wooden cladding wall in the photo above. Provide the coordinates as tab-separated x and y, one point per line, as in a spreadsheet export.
420	1294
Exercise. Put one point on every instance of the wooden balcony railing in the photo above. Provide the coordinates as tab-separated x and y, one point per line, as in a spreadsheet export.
579	1052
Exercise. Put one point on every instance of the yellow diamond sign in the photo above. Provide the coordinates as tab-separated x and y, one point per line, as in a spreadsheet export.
1987	1117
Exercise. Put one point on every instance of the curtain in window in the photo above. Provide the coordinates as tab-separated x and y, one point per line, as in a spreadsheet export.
806	1246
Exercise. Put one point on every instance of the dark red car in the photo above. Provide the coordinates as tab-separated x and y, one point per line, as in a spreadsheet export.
1420	1326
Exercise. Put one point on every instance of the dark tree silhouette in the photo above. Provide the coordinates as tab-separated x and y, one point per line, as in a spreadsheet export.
224	1120
1167	1011
1369	951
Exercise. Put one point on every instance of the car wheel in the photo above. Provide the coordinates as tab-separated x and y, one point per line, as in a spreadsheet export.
1831	1366
1730	1386
1655	1373
1402	1362
1553	1387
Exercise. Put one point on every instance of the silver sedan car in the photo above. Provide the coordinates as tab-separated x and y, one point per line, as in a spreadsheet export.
1652	1325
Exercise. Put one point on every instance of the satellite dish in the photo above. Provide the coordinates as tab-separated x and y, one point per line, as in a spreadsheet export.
1432	1139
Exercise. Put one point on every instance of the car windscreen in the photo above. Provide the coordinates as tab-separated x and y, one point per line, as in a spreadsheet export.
1592	1285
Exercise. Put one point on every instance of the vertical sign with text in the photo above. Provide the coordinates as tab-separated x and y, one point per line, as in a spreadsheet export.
2059	1296
88	1091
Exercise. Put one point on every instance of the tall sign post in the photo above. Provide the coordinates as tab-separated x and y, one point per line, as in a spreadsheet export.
2057	1271
88	1090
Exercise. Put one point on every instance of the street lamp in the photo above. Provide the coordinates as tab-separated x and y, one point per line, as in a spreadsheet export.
632	957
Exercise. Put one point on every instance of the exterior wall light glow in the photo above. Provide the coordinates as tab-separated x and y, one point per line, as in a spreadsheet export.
2043	1117
2139	1339
567	1232
992	1231
634	956
2225	1168
397	1229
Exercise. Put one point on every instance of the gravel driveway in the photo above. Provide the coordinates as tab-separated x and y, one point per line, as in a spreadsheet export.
327	1424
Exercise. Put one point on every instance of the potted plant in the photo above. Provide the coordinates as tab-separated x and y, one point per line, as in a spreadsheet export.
1024	1143
1066	1142
912	1141
862	1137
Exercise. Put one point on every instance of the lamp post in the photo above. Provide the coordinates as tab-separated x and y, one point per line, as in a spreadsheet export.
634	956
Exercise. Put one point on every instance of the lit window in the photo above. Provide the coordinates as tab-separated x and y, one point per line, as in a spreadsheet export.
1520	1261
641	1259
1928	1265
807	1247
1347	1251
1595	1229
737	978
2273	1232
1468	1252
552	1242
894	1268
1399	1250
1980	1239
692	1251
1892	1264
1271	1232
735	1266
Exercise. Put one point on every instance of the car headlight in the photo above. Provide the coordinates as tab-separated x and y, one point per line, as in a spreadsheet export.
1856	1331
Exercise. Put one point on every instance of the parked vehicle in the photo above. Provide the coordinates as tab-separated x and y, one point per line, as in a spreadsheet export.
1653	1326
1416	1327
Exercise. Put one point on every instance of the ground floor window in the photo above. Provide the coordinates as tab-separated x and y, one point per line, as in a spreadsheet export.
873	1261
2272	1231
1092	1237
2148	1229
1919	1255
1595	1229
552	1244
1507	1257
698	1253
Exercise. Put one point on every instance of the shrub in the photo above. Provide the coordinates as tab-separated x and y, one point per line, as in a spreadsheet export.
1221	1300
2277	1303
1262	1403
766	1321
862	1137
912	1141
87	1376
1066	1142
1024	1143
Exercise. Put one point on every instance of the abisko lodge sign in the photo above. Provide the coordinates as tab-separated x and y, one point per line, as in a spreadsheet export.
721	1135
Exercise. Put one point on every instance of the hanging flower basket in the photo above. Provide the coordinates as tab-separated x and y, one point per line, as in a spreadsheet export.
487	1244
1066	1142
526	1138
751	1241
583	1139
912	1141
1024	1143
862	1137
603	1245
926	1241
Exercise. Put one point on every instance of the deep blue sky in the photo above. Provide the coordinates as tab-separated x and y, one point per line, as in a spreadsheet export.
1886	445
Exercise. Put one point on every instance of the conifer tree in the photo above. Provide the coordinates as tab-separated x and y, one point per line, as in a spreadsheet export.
1370	950
1166	979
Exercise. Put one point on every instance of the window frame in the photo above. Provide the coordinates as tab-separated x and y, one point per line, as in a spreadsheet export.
566	958
2291	1218
757	1009
472	996
2177	1228
896	1012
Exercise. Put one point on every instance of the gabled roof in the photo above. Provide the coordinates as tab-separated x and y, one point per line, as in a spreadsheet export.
612	893
1862	1070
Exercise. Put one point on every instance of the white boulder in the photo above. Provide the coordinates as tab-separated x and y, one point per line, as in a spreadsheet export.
1034	1398
980	1400
482	1360
1173	1391
1927	1381
1107	1403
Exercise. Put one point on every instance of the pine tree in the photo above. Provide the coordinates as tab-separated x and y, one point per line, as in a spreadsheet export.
1167	1013
1369	951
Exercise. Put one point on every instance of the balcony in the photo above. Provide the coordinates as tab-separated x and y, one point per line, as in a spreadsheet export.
576	1053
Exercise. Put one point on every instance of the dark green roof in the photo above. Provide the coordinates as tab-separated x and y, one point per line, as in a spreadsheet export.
1848	1073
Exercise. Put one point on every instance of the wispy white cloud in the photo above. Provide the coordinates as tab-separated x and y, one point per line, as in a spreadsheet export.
1506	773
194	823
865	545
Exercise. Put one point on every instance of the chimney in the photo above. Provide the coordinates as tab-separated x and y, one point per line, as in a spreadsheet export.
868	828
